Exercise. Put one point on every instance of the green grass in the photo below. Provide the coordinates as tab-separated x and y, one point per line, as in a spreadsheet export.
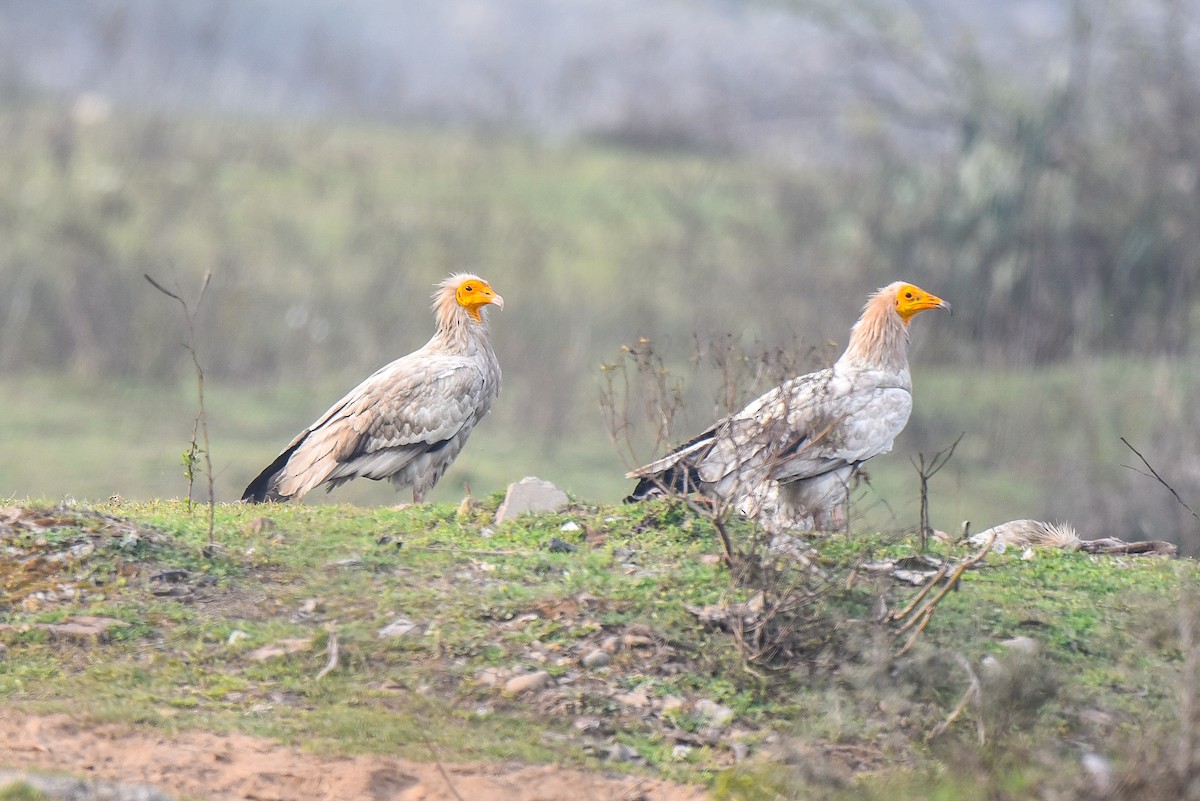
493	597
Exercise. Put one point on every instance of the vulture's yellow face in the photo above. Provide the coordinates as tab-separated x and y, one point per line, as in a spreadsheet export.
912	300
475	293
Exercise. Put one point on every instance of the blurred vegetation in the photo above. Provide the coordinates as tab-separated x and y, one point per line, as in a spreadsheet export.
1060	216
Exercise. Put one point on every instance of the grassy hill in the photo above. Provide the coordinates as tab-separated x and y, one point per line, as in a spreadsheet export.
436	616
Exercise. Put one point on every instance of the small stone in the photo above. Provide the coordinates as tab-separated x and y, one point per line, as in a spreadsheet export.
530	495
740	750
561	546
596	659
487	532
397	628
623	554
715	713
527	682
570	525
235	636
281	648
587	725
1100	771
610	645
1024	645
489	677
681	751
619	752
671	703
634	700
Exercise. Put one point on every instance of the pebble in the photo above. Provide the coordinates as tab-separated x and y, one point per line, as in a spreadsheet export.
527	682
596	659
561	546
635	700
619	752
715	713
570	525
235	635
397	628
671	702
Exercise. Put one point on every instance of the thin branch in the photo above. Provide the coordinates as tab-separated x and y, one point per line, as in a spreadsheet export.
1160	479
927	471
200	424
973	693
438	762
334	655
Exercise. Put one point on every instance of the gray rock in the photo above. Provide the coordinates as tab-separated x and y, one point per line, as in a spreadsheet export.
530	495
715	713
596	659
397	628
527	682
619	752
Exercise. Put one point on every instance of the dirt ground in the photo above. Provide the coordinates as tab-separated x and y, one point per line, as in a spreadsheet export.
229	767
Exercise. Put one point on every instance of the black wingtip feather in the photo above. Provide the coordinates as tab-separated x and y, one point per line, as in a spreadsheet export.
673	480
261	489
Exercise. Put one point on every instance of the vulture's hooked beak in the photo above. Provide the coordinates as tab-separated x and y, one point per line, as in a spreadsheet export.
499	301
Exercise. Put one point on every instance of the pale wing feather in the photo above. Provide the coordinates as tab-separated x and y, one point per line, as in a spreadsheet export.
402	409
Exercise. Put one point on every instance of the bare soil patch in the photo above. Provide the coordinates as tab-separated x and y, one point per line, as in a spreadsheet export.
198	764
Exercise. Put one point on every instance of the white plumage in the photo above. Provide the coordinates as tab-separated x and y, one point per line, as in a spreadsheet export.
787	457
409	420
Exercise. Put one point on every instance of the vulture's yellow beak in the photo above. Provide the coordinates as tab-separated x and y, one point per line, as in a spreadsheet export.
475	293
912	300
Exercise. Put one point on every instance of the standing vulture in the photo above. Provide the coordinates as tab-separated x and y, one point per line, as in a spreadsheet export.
410	419
787	458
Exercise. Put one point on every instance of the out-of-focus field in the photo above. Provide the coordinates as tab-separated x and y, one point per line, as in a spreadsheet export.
323	242
67	439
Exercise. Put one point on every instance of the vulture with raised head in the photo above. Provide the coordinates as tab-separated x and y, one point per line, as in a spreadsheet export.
411	418
787	457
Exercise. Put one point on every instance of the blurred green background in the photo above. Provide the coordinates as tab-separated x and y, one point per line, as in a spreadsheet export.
679	171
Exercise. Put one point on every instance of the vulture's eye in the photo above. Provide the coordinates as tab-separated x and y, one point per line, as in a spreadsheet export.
908	295
468	288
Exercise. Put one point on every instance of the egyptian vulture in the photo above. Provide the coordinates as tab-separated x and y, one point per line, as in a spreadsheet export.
411	418
787	457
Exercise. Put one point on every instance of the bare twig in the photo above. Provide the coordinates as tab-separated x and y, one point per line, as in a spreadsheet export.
1160	479
200	425
973	694
927	470
334	655
924	613
441	769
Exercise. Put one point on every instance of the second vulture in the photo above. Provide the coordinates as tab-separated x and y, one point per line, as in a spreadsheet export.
411	418
787	457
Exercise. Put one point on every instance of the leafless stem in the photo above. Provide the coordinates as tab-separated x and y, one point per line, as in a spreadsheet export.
334	655
1159	478
972	694
919	619
200	425
927	470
